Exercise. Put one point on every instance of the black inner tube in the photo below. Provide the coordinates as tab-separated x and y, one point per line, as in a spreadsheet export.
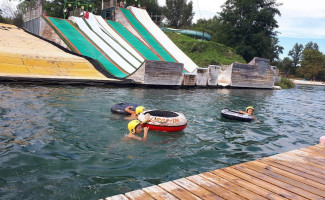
162	113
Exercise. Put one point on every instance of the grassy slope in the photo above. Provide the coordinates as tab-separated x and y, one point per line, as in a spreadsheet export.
205	53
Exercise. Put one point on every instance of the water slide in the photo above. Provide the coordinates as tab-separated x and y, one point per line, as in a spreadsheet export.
118	38
78	42
109	49
163	39
113	43
134	41
147	36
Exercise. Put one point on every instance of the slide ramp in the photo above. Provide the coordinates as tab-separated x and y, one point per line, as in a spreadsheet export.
79	43
163	39
118	38
111	42
147	36
130	38
108	49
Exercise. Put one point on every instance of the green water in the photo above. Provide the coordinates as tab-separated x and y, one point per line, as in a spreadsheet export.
64	143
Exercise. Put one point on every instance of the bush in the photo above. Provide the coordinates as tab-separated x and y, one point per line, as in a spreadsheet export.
286	83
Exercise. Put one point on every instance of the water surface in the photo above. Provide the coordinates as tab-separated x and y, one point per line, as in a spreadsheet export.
64	143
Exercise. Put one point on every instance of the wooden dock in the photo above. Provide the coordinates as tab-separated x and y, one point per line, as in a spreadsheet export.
298	174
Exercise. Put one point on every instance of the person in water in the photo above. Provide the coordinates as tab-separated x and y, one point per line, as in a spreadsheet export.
135	128
134	114
249	111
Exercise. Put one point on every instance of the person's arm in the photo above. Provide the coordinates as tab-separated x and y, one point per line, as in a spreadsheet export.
145	134
128	110
241	112
146	119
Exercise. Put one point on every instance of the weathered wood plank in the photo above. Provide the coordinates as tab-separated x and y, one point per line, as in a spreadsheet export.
158	193
249	186
285	177
138	195
291	174
274	181
318	149
196	189
215	188
280	191
314	158
311	151
178	191
117	197
230	186
295	168
293	158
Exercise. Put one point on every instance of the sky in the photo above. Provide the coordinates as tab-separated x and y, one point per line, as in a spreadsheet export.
301	21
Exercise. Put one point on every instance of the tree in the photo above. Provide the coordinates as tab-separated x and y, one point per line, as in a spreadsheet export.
211	26
248	27
179	13
295	53
313	63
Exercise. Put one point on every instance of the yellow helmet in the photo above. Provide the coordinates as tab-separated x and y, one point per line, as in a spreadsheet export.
250	107
139	110
132	125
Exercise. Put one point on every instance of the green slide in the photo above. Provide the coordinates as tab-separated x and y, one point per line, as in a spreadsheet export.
84	46
147	36
135	42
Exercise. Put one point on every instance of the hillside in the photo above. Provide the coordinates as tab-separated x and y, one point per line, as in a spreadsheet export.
205	53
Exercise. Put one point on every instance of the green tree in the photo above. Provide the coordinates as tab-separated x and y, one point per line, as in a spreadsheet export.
179	13
211	26
313	63
296	53
248	27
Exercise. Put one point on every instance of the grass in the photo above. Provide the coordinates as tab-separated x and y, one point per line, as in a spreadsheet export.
205	53
285	83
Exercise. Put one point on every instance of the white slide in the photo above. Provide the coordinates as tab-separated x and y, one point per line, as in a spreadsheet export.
109	51
107	29
163	39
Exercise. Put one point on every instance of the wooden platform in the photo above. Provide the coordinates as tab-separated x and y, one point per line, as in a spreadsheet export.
298	174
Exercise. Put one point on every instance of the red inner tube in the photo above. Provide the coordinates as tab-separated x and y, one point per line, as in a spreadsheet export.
166	128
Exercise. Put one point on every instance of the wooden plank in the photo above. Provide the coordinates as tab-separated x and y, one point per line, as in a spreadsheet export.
216	189
196	189
294	158
293	174
319	146
314	158
318	149
280	191
285	177
138	195
296	169
178	191
311	151
158	193
117	197
274	181
230	186
252	187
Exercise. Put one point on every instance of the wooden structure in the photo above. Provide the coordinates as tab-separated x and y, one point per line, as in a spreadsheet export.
298	174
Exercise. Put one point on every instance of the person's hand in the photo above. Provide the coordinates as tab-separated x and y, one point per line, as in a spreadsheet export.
147	118
145	129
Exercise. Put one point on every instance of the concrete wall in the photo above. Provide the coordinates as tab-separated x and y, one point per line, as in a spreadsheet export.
224	78
159	73
252	76
213	76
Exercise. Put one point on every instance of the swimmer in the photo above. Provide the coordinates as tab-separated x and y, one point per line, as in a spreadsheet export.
134	114
249	111
135	128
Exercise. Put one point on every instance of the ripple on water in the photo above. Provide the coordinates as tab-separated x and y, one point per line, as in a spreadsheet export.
64	143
